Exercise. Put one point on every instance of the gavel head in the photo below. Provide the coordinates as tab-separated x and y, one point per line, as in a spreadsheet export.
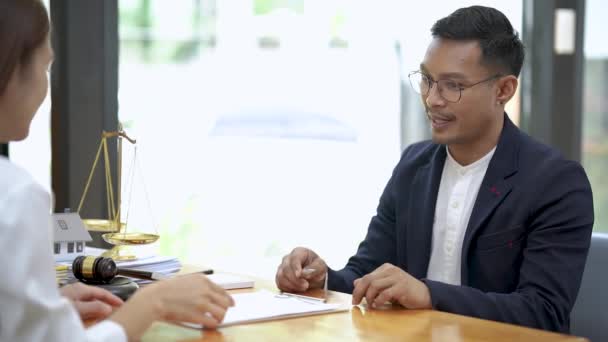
94	269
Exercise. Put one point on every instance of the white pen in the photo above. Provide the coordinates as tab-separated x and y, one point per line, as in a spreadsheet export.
308	271
314	299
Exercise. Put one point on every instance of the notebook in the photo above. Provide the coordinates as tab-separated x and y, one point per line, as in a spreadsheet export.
264	305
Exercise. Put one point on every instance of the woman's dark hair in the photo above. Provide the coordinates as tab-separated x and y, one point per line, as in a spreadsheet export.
499	42
24	25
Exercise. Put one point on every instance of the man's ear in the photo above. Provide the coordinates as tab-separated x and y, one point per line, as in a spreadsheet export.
507	85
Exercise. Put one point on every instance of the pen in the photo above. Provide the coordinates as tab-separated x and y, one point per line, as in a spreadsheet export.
139	274
208	271
308	271
314	299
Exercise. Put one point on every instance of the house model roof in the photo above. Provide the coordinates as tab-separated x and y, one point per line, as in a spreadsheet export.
69	227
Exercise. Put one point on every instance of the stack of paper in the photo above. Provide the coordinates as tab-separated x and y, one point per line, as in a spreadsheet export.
165	265
63	273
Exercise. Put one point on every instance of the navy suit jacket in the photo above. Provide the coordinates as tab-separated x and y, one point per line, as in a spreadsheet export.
525	246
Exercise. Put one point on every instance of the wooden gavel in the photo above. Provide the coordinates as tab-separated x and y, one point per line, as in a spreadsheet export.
102	270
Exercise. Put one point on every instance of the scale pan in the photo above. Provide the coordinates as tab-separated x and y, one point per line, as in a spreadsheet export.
122	239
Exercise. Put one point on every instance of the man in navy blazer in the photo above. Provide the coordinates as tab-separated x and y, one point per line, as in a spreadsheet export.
481	221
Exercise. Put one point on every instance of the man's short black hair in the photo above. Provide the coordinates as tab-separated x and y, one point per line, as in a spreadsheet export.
499	42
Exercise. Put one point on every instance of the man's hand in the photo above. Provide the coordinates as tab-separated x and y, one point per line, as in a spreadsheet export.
92	303
301	270
390	283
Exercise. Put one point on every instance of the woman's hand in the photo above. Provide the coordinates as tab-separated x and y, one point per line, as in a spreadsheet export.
191	298
92	303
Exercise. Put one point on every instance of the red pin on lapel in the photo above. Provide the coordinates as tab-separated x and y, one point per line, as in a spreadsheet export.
494	191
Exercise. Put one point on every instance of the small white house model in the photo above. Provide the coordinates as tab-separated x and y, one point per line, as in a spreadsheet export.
69	235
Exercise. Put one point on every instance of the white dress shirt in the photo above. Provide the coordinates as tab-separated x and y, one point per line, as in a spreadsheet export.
32	307
457	193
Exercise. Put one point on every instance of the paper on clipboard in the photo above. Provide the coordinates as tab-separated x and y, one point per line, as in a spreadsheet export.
264	305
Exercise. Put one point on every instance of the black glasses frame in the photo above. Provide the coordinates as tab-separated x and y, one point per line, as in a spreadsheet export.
431	82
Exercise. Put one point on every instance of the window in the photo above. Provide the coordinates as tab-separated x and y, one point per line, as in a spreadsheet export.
595	109
279	119
70	247
79	247
62	224
282	119
56	248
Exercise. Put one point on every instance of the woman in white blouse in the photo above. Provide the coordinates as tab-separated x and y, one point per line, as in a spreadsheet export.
32	307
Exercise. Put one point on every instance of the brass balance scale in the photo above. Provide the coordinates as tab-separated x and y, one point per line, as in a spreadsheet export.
113	229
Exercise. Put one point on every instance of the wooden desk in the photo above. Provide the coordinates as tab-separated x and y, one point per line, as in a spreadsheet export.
360	324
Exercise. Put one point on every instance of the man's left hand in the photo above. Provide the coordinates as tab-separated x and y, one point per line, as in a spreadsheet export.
390	283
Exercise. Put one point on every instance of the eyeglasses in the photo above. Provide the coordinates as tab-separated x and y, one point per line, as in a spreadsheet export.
449	90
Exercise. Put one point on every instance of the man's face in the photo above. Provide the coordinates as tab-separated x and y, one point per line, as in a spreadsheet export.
469	120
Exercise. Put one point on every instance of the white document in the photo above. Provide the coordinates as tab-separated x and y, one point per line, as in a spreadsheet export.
264	305
230	281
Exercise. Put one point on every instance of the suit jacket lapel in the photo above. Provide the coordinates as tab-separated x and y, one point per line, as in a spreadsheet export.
495	186
423	197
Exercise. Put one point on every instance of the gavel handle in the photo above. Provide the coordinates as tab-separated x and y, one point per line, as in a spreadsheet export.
141	274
